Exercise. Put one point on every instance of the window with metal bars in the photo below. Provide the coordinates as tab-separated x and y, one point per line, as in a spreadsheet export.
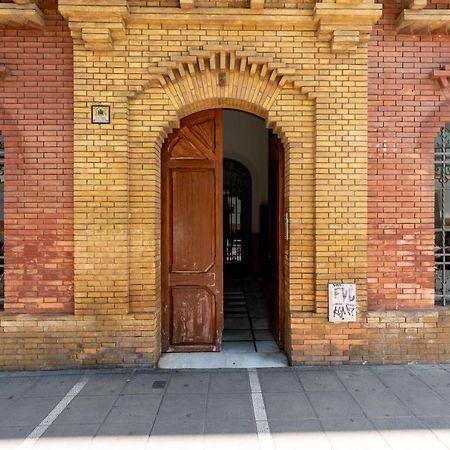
2	191
442	216
237	214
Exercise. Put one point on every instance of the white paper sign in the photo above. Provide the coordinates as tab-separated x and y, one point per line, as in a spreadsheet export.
342	302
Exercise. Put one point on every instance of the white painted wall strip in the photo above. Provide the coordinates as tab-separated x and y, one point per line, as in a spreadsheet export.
32	438
259	409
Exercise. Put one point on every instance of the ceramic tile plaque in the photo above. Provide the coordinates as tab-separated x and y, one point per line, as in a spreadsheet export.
100	114
342	302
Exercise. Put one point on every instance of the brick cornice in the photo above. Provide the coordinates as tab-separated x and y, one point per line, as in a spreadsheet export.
98	23
346	23
416	19
256	16
21	12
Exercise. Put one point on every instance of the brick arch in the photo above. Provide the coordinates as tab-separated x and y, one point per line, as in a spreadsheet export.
220	77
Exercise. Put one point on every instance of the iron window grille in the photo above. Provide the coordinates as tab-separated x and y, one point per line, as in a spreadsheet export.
442	216
2	192
237	214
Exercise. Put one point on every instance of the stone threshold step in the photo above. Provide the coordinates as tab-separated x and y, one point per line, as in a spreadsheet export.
221	360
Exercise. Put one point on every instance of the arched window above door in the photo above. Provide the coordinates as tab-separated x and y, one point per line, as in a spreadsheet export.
442	215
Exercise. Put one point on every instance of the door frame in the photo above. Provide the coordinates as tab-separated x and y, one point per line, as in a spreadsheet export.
282	227
165	247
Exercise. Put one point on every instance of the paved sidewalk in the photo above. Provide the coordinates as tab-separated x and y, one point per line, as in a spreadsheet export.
371	407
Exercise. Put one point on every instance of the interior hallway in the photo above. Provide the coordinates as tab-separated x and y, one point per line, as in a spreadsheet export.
247	323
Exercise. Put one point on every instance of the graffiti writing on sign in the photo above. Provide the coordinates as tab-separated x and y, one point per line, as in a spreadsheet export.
342	302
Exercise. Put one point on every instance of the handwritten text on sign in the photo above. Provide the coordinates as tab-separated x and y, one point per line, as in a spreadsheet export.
342	302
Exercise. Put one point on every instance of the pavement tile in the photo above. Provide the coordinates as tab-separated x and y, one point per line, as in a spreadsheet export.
229	382
353	434
440	426
278	380
237	323
28	411
260	324
177	435
6	404
419	367
407	433
183	406
238	346
229	406
295	425
143	383
258	312
437	378
359	379
296	433
263	335
237	335
105	384
66	436
267	346
137	409
189	383
15	387
93	409
442	392
320	381
180	427
424	402
230	425
334	404
121	436
12	437
293	405
52	385
227	441
381	404
398	377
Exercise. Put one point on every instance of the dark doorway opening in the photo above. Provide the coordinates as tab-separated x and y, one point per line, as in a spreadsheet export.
253	235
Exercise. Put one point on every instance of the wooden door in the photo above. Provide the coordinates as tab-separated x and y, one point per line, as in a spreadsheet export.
276	237
192	261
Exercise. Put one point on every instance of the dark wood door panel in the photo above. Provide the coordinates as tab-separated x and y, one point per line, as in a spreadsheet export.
192	279
192	265
193	311
183	148
193	221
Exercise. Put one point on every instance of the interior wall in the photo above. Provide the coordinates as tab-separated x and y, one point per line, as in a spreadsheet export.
245	139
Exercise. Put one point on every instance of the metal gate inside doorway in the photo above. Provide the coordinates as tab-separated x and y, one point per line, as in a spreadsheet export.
237	216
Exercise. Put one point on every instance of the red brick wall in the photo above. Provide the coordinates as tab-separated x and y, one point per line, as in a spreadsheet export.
407	109
36	120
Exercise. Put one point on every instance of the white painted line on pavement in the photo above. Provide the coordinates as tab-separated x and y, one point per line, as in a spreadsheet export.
259	409
32	438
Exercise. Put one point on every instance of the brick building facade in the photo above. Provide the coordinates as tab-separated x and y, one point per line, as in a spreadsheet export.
355	90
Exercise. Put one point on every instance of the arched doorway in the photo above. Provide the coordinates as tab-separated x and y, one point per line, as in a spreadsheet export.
204	226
